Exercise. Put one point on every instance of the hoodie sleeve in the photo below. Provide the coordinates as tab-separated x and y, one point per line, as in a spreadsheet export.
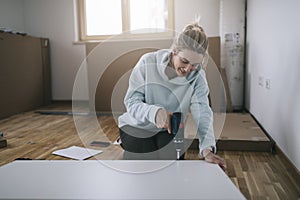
135	97
202	114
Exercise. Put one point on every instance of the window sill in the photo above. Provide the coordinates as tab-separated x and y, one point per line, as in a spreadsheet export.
80	42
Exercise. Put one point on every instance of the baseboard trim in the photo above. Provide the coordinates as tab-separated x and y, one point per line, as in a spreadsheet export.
288	163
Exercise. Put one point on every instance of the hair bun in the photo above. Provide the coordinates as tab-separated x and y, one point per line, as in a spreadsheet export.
197	27
192	37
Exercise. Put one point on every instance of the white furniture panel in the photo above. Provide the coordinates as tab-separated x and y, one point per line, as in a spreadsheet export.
117	179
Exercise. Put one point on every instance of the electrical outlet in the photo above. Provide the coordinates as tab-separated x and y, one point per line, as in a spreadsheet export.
261	81
268	84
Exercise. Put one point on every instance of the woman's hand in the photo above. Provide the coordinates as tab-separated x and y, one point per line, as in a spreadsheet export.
162	119
213	158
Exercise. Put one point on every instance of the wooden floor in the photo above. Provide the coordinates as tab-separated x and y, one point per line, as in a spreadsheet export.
258	175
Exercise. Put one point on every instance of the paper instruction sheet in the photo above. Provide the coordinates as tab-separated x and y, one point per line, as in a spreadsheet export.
77	153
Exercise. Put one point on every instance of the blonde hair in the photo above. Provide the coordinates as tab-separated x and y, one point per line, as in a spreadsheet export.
192	37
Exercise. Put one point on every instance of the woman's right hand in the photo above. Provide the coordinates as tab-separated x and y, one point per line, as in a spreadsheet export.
213	158
162	119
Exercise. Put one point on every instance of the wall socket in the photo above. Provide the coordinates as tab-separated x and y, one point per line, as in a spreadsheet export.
268	83
261	81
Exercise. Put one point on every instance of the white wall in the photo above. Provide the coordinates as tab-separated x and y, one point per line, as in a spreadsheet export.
273	41
187	10
11	15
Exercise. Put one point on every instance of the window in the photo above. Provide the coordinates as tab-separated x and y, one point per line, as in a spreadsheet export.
125	19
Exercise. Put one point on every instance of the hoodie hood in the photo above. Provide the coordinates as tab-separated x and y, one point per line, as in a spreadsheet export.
163	58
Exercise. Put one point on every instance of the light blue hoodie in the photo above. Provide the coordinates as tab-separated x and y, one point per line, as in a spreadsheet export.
150	89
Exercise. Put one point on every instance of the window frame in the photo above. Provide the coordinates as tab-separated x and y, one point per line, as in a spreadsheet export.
125	35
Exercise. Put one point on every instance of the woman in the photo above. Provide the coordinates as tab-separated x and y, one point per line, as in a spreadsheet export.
164	82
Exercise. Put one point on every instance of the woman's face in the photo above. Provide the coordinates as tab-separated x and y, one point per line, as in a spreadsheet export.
186	61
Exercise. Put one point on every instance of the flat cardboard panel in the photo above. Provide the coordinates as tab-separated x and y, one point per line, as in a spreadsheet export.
117	70
217	79
111	76
237	126
241	126
240	132
21	74
214	50
45	47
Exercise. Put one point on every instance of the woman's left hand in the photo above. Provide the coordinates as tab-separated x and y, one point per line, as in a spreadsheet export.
213	158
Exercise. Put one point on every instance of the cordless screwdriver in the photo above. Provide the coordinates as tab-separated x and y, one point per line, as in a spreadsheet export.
178	131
